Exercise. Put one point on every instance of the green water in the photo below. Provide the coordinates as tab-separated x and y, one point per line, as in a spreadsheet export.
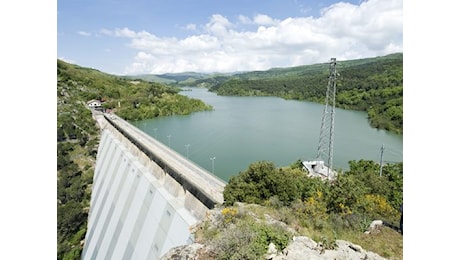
242	130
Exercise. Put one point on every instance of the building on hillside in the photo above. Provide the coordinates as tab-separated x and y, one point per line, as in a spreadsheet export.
95	105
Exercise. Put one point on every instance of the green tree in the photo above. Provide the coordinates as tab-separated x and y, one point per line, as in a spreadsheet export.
344	193
70	218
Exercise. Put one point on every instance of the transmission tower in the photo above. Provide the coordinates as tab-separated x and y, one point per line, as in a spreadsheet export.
326	135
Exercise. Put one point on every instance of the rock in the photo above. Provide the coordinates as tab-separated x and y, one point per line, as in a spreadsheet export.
373	226
272	251
305	248
300	247
189	252
347	250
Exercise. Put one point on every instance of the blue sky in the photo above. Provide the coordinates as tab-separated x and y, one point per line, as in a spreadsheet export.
159	36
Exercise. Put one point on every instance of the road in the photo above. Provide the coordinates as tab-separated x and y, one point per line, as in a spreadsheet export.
205	180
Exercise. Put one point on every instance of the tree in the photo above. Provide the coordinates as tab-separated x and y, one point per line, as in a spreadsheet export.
70	218
344	194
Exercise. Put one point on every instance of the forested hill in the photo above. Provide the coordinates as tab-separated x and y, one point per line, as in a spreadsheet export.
374	85
130	99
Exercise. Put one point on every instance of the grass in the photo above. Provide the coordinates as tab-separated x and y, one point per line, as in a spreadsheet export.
384	241
387	242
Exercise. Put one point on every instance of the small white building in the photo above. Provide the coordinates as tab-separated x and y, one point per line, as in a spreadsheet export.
94	103
317	168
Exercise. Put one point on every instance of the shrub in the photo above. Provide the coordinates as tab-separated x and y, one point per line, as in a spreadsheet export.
229	215
350	222
376	207
344	192
249	240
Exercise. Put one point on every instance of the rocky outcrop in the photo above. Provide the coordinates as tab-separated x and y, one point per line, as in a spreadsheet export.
189	252
305	248
299	247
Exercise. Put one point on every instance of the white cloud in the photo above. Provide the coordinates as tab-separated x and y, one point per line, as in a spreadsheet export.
190	27
305	9
263	19
125	32
218	25
244	19
84	33
106	32
343	30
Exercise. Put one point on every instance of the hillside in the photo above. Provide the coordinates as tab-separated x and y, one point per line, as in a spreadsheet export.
292	216
374	85
183	79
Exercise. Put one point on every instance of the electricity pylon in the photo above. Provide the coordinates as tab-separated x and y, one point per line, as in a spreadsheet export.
326	136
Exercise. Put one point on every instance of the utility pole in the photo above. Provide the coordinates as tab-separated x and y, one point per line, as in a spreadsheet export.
186	147
326	137
381	160
212	162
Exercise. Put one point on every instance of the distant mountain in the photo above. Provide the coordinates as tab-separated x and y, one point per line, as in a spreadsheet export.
151	78
170	78
315	69
180	79
195	78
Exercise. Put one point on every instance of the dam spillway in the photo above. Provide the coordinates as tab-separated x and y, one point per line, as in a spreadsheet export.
145	196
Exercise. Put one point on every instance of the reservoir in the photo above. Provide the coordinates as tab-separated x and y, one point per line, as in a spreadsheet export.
243	130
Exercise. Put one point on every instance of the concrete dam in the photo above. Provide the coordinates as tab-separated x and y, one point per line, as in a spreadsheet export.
145	196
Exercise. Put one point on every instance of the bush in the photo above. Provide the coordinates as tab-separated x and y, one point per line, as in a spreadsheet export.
261	182
350	222
248	240
344	192
377	207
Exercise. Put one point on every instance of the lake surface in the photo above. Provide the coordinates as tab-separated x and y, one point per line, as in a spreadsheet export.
242	130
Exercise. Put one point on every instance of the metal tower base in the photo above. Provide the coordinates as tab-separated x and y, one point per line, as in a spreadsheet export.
317	168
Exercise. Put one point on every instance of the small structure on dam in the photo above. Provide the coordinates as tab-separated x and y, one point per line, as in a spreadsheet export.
145	197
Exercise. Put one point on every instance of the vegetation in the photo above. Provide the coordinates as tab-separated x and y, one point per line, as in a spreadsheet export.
77	137
326	211
239	233
130	99
76	153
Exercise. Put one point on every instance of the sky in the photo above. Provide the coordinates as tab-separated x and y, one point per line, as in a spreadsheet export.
131	37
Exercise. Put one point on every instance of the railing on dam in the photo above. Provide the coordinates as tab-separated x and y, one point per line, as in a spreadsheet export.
169	162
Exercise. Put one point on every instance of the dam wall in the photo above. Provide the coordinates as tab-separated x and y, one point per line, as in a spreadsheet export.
145	197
